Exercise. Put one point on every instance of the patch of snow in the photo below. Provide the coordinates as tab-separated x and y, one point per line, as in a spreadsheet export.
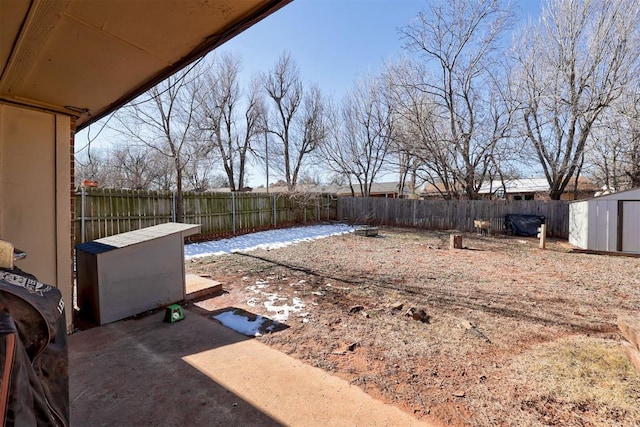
282	312
257	288
271	239
274	302
242	324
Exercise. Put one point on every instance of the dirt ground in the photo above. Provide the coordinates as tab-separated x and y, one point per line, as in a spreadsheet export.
498	333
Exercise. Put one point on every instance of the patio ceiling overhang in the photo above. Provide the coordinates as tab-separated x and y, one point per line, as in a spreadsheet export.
87	58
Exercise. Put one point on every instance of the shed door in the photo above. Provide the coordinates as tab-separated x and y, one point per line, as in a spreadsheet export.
631	226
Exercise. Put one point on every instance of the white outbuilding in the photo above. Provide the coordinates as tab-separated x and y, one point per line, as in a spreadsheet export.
609	223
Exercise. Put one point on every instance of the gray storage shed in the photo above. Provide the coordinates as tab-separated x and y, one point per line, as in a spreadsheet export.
130	273
608	223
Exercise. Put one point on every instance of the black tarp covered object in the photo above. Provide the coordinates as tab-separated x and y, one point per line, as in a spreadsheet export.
34	382
523	225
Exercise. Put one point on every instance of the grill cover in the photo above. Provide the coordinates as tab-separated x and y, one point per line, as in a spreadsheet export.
523	225
34	386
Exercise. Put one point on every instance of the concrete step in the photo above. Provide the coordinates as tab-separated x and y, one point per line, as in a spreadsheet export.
198	286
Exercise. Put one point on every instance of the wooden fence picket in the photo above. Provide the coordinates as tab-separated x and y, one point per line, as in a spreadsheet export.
108	212
451	214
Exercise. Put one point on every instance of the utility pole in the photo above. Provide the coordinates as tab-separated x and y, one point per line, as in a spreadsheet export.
266	156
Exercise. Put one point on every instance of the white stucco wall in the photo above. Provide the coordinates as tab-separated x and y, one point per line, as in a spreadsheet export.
35	190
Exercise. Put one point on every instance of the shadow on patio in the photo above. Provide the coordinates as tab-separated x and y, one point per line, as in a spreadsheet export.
198	372
133	372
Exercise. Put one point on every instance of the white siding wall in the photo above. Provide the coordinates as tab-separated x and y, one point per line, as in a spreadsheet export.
593	224
603	225
631	227
579	224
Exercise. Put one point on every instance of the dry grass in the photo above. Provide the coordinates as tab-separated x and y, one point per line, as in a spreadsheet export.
543	350
590	375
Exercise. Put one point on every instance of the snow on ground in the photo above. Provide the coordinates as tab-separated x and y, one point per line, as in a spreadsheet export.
274	303
242	324
271	239
279	308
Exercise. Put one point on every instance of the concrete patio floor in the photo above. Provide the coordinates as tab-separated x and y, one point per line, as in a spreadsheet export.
196	372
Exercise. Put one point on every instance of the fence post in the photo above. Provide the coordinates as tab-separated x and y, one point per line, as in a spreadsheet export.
83	196
275	211
173	206
233	212
328	207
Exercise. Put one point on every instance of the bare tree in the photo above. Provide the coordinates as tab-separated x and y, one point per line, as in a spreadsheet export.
92	164
228	121
134	166
198	172
363	134
421	133
164	121
333	154
632	155
296	118
451	97
572	65
613	153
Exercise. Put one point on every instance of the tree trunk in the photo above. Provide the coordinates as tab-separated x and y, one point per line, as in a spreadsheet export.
179	200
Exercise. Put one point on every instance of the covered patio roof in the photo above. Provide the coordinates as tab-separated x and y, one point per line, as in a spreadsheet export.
87	58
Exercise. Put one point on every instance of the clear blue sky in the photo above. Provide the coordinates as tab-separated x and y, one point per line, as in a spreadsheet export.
332	41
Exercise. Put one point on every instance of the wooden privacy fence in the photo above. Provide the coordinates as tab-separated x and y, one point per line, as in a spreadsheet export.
451	214
105	212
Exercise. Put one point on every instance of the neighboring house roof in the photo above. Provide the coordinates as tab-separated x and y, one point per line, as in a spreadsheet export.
532	185
87	58
524	185
516	186
382	187
376	188
436	189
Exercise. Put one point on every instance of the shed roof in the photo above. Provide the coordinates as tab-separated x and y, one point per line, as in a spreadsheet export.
632	194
